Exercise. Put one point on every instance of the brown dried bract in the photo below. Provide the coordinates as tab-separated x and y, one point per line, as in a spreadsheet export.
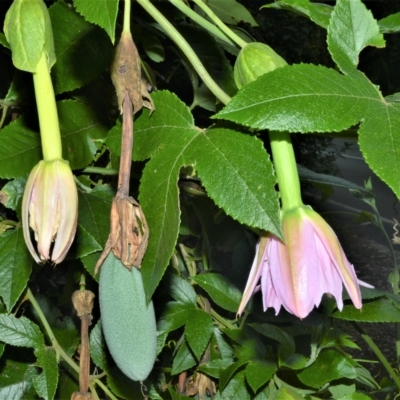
126	75
128	233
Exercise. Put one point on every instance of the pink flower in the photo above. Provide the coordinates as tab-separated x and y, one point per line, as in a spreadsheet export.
296	274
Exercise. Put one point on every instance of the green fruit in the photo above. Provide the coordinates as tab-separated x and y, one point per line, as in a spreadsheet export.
129	325
254	60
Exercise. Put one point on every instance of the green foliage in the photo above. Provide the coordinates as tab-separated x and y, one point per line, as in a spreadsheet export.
207	186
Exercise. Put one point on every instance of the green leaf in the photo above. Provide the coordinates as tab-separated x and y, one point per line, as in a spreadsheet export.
352	28
227	373
181	290
15	266
46	383
183	360
84	244
285	393
98	347
83	50
198	330
275	333
220	290
174	316
340	390
213	368
122	386
223	347
317	12
20	149
235	389
28	30
378	310
79	126
153	47
16	380
13	192
390	24
249	345
99	12
356	396
307	98
231	12
259	372
242	186
304	98
330	365
20	332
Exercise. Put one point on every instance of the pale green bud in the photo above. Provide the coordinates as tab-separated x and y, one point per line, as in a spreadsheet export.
254	60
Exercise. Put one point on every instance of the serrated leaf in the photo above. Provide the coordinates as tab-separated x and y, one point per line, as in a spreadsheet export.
98	346
16	380
79	126
227	373
231	12
275	333
221	292
307	98
378	310
317	12
183	360
20	332
15	266
20	150
181	290
172	141
352	28
390	24
122	386
46	383
330	365
83	50
84	244
99	12
198	330
235	389
224	348
13	191
259	372
213	368
304	98
174	316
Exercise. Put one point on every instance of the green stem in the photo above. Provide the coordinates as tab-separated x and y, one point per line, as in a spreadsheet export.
127	17
378	354
286	170
215	315
187	51
228	32
100	171
47	111
58	349
106	390
179	4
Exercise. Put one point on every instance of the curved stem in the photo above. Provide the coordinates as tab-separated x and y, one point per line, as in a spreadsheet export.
180	5
286	170
187	51
228	32
47	111
378	354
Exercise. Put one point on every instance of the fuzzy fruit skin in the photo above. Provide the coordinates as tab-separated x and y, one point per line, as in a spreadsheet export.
129	325
254	60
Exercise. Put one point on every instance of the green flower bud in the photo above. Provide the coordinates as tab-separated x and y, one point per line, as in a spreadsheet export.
50	208
254	60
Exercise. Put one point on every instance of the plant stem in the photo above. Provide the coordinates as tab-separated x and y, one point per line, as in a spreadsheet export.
286	170
127	17
228	32
47	111
100	171
378	354
105	389
179	4
187	51
59	350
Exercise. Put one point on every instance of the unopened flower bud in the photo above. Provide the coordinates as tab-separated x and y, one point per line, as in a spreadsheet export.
50	208
254	60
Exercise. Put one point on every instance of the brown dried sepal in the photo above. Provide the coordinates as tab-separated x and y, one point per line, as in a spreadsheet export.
126	75
83	302
128	233
202	385
81	396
